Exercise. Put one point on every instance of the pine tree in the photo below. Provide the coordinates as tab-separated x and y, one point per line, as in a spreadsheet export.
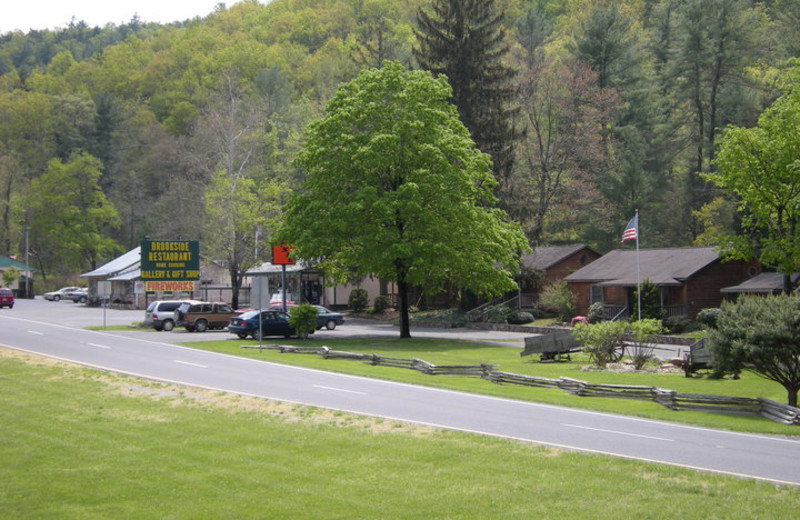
466	41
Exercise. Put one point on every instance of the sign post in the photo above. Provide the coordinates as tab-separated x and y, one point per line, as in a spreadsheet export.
282	256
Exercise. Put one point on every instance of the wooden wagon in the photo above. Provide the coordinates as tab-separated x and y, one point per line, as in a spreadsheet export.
698	357
553	346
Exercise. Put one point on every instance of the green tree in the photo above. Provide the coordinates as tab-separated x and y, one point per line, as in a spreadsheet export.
558	297
303	319
11	275
395	188
241	207
715	43
761	167
466	41
762	335
651	301
70	213
643	335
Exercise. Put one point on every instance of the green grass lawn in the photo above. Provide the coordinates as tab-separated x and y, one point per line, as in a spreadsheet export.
448	352
83	444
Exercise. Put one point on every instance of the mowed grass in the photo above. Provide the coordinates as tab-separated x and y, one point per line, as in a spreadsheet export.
83	444
449	352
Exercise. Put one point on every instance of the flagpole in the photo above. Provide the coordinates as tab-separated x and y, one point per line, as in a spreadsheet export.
638	269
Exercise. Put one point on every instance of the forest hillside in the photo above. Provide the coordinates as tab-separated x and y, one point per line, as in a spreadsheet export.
110	134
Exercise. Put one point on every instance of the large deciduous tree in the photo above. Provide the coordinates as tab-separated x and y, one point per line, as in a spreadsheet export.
240	203
761	335
760	166
71	217
396	188
466	41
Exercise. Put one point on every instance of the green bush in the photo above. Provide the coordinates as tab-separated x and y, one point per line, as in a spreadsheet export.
381	304
520	318
677	324
708	317
595	314
601	341
643	341
651	301
359	300
560	299
496	314
303	319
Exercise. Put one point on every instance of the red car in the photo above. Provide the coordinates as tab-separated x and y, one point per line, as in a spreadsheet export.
6	298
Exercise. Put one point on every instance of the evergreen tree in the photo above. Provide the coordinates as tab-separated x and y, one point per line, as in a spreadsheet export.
466	41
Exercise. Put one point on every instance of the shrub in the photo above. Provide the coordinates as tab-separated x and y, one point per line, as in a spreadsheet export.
381	304
708	317
601	341
558	297
651	301
359	300
595	314
520	318
303	319
496	314
643	341
677	324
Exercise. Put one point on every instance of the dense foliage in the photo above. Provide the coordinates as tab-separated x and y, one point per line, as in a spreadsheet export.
396	189
466	41
761	334
622	103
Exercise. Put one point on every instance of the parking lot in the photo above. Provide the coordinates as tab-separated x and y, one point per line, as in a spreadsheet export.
80	316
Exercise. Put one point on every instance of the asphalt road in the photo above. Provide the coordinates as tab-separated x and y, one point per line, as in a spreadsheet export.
56	330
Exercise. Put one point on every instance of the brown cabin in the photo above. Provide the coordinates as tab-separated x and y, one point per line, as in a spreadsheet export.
690	279
552	264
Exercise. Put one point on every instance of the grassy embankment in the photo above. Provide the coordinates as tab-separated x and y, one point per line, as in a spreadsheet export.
445	352
83	444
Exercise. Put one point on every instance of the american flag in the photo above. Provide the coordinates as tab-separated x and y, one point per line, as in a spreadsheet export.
632	229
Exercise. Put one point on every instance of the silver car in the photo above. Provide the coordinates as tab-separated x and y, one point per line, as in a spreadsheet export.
76	294
160	314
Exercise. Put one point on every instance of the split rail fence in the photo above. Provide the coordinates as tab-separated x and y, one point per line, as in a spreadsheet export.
669	398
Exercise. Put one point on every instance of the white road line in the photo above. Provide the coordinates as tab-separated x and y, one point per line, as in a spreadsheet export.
339	389
190	364
36	332
619	433
106	347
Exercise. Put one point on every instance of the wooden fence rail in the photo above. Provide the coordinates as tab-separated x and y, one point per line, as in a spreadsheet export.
668	398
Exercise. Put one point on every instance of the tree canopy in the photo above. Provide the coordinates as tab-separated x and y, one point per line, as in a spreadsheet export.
396	188
466	41
760	166
761	334
623	102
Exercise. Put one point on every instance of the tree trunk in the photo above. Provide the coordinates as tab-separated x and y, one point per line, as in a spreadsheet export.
791	395
405	328
402	289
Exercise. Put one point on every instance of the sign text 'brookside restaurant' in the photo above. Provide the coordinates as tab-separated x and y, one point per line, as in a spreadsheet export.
170	260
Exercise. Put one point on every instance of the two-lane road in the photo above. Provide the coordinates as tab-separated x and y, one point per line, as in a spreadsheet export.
760	457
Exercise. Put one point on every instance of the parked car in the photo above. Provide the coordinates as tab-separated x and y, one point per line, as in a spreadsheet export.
67	293
6	298
201	316
160	314
273	323
79	296
327	318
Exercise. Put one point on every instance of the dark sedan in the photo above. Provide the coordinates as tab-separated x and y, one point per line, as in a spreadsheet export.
328	319
273	323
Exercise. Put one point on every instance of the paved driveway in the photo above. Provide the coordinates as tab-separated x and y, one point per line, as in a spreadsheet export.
80	316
